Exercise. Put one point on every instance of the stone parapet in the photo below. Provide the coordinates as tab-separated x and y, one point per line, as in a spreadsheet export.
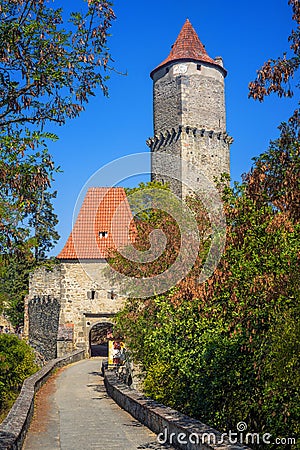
167	137
43	326
166	422
14	427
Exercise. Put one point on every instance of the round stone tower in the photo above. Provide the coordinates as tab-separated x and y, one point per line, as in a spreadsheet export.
189	110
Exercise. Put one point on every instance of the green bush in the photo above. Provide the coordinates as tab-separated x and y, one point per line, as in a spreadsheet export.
16	364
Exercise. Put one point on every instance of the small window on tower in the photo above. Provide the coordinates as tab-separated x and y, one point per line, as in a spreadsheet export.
111	295
103	234
92	294
198	66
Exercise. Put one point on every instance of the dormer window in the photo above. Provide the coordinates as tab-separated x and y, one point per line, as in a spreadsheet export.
103	234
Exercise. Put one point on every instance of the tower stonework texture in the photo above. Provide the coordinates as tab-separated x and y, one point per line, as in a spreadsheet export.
189	111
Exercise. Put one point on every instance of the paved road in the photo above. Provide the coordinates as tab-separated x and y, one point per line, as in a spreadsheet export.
73	412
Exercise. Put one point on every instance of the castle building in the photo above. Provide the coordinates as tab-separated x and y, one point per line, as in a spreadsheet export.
189	111
65	304
68	301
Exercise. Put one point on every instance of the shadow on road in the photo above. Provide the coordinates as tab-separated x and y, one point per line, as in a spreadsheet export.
99	350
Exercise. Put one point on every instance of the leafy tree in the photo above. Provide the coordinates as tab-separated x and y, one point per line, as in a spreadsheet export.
223	339
44	236
27	224
49	67
25	181
275	177
14	276
147	219
155	208
276	75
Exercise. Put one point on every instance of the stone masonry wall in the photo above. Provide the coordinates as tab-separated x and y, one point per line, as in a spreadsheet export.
42	310
203	103
206	151
43	313
172	427
195	98
78	281
63	305
167	103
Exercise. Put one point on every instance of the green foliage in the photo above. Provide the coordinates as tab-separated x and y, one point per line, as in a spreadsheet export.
274	179
49	67
14	279
153	253
282	371
228	350
25	203
15	269
147	218
16	364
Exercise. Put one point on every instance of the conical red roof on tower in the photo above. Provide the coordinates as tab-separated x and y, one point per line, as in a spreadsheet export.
187	47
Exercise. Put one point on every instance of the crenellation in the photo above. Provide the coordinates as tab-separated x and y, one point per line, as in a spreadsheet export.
167	138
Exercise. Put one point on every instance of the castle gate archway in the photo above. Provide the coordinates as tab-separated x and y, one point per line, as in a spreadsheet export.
97	327
98	343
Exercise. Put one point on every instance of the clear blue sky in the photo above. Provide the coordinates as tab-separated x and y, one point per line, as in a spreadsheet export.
245	34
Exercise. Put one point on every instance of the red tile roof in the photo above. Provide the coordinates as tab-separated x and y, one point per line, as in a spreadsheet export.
103	210
187	46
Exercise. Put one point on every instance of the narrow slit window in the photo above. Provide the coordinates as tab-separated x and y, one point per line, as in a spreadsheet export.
198	66
92	294
111	295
